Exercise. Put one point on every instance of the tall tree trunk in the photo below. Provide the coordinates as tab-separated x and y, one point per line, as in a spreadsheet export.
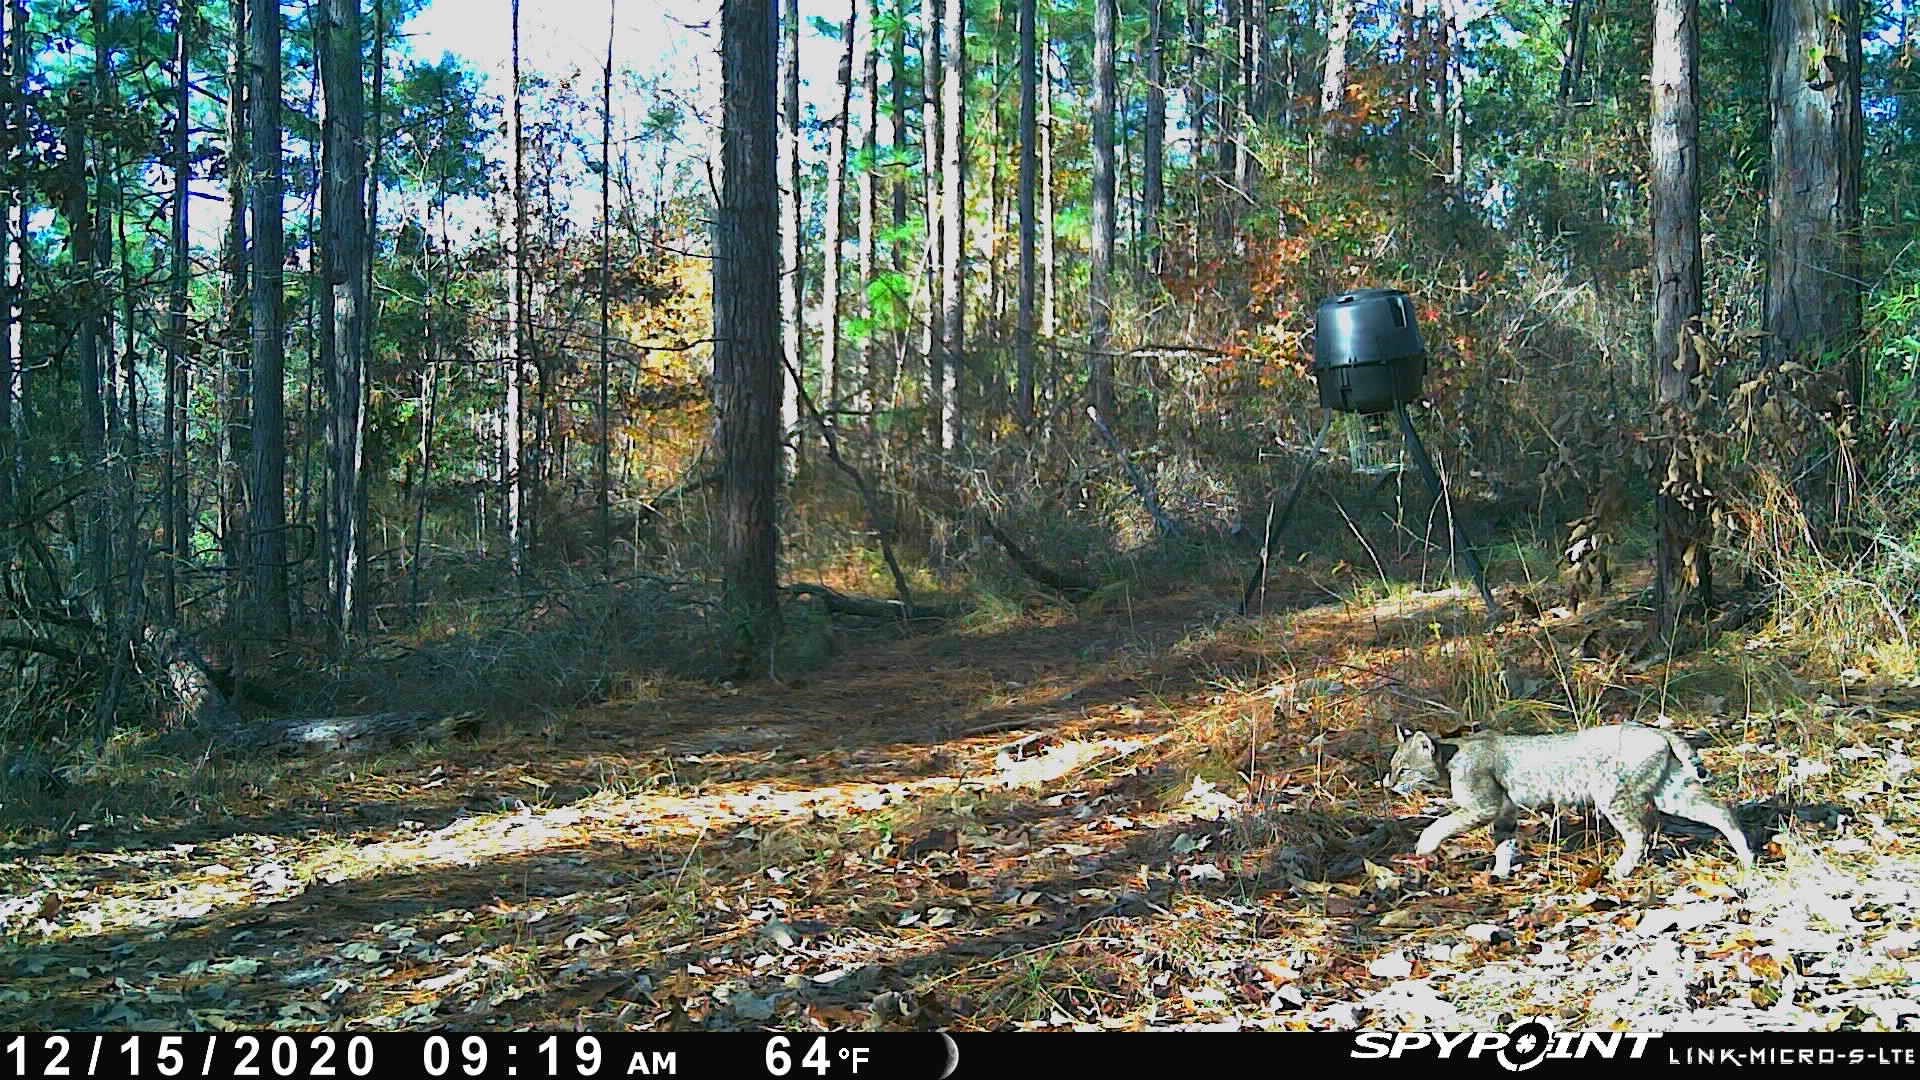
1228	161
1813	275
11	115
604	452
513	456
1198	106
1253	14
1099	286
1576	57
835	225
902	132
344	208
269	506
80	211
174	477
869	197
1049	308
1154	195
1681	558
236	445
369	298
1453	88
953	226
1333	78
1029	166
746	320
792	205
15	388
931	131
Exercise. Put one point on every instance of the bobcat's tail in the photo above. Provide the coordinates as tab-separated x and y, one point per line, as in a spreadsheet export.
1685	752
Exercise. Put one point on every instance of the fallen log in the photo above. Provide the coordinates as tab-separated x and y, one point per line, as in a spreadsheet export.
840	603
1072	586
206	713
363	734
202	705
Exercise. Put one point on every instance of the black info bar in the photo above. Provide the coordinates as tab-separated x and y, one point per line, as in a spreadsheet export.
916	1055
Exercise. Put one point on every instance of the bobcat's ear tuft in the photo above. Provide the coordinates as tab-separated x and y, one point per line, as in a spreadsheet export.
1402	733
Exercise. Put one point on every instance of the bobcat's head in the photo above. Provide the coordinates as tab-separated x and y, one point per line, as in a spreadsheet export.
1415	765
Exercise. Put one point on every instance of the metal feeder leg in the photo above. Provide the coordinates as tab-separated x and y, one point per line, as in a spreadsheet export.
1258	583
1459	536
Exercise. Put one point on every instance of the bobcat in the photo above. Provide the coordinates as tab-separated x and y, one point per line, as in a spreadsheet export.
1625	770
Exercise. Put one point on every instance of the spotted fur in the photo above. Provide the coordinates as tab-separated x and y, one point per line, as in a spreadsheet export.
1626	771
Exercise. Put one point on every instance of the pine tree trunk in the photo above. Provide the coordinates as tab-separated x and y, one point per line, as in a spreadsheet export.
513	456
953	227
174	476
15	388
1198	106
604	452
269	505
835	225
869	210
344	209
1576	51
81	211
1154	195
794	340
1099	287
1049	309
10	30
1333	78
746	320
1681	563
236	447
1813	276
1029	166
931	166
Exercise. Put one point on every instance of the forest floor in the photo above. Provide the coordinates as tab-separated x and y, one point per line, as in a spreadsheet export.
1150	812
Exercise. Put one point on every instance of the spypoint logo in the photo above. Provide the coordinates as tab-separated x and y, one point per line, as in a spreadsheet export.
1526	1045
1518	1050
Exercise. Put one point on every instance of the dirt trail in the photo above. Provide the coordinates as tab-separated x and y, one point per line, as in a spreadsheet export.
1150	816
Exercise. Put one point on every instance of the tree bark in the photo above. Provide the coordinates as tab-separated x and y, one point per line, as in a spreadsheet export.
869	197
174	476
1049	308
1029	166
931	162
794	340
1154	148
953	227
1813	275
1681	558
1099	288
236	445
15	388
11	114
269	504
603	453
836	221
80	211
343	207
1333	78
1576	57
513	453
746	321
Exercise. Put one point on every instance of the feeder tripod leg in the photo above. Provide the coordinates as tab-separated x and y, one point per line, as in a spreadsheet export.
1459	535
1276	526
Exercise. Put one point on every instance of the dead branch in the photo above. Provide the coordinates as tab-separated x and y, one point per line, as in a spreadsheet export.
840	603
881	525
1167	526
